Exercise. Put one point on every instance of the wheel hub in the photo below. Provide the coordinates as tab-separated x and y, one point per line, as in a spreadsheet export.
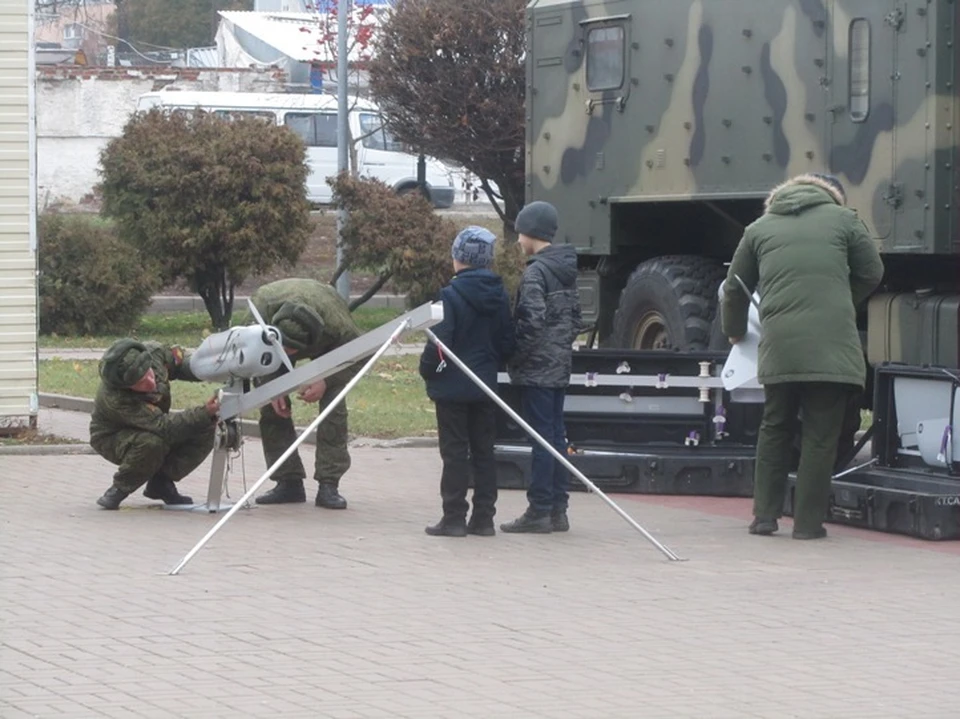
651	332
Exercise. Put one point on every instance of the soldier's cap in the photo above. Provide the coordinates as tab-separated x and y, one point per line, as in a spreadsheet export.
537	220
300	326
125	363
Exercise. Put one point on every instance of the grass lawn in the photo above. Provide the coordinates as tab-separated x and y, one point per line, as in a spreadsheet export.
189	328
389	402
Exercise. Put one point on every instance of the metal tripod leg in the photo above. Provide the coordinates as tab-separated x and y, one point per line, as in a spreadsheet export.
227	439
447	352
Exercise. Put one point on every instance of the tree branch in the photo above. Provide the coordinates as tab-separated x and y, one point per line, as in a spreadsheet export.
374	289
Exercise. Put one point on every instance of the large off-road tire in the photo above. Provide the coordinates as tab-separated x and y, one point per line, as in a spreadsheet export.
669	302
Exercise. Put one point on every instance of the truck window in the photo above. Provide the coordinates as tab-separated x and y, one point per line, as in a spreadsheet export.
605	51
859	100
316	129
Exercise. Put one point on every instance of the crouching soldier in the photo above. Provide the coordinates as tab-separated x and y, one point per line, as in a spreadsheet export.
132	426
313	320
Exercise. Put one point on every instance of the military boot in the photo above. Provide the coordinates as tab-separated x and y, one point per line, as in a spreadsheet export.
112	497
819	533
448	527
328	497
763	527
286	491
165	489
530	522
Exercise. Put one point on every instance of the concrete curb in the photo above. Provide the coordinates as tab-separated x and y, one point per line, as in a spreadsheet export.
162	304
46	449
250	428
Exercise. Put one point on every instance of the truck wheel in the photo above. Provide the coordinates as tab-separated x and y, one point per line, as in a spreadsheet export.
669	303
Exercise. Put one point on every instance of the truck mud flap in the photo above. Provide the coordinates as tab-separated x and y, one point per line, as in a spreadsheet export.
706	472
898	502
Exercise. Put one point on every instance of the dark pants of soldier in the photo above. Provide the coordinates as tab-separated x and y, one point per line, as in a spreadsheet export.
466	432
816	410
332	459
144	455
549	479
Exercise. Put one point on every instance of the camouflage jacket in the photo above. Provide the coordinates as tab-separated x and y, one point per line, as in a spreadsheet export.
547	319
117	408
338	325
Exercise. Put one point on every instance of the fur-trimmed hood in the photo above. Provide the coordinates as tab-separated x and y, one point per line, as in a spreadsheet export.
802	191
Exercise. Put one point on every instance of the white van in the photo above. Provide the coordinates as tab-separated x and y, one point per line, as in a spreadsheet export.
314	119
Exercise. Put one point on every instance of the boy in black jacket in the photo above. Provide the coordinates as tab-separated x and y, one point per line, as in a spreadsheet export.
477	327
547	317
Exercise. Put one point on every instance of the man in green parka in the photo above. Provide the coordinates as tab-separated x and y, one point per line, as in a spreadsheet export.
813	263
132	427
313	320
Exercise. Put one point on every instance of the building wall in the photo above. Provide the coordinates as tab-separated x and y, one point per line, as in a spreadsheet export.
18	257
79	110
78	27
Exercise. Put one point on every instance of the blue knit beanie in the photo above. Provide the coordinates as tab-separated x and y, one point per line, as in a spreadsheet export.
474	247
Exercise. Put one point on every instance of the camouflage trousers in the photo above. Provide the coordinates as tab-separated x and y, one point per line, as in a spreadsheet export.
331	460
143	455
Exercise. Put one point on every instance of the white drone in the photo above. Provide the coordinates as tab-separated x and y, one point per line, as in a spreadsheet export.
240	353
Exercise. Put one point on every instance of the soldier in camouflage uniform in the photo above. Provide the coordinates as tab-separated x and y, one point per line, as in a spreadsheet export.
132	426
313	320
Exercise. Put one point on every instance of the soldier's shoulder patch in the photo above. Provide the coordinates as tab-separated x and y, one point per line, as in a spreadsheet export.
177	352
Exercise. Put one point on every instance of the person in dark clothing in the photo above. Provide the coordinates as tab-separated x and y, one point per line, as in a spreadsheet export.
547	321
814	264
477	327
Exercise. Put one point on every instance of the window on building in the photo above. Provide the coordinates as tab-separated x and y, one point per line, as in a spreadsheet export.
859	100
316	129
605	57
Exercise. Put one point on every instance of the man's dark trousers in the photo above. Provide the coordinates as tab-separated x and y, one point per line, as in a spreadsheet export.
466	433
822	406
549	479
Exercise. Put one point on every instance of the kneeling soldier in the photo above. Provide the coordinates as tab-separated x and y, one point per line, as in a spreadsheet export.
132	426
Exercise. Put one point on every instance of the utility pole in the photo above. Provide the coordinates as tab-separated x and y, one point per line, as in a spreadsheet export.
343	134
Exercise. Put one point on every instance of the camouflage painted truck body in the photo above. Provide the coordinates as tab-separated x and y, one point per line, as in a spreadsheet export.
658	127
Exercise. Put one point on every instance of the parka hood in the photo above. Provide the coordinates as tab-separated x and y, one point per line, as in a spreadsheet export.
800	193
561	260
482	289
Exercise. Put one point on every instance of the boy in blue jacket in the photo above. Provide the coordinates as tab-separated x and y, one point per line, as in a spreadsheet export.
478	328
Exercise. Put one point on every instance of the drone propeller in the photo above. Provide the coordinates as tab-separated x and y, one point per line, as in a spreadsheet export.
270	337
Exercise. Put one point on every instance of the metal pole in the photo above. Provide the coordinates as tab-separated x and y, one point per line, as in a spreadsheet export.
547	446
343	134
292	448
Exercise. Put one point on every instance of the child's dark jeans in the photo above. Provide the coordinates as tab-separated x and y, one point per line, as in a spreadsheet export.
549	481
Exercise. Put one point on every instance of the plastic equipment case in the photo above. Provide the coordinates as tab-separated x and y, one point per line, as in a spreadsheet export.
913	487
642	426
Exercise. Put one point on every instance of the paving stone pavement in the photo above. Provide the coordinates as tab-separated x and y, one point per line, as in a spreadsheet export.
294	611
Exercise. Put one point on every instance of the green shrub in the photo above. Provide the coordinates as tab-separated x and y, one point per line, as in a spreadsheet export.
91	282
214	200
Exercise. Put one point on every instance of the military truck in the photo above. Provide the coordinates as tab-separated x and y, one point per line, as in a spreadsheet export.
659	128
